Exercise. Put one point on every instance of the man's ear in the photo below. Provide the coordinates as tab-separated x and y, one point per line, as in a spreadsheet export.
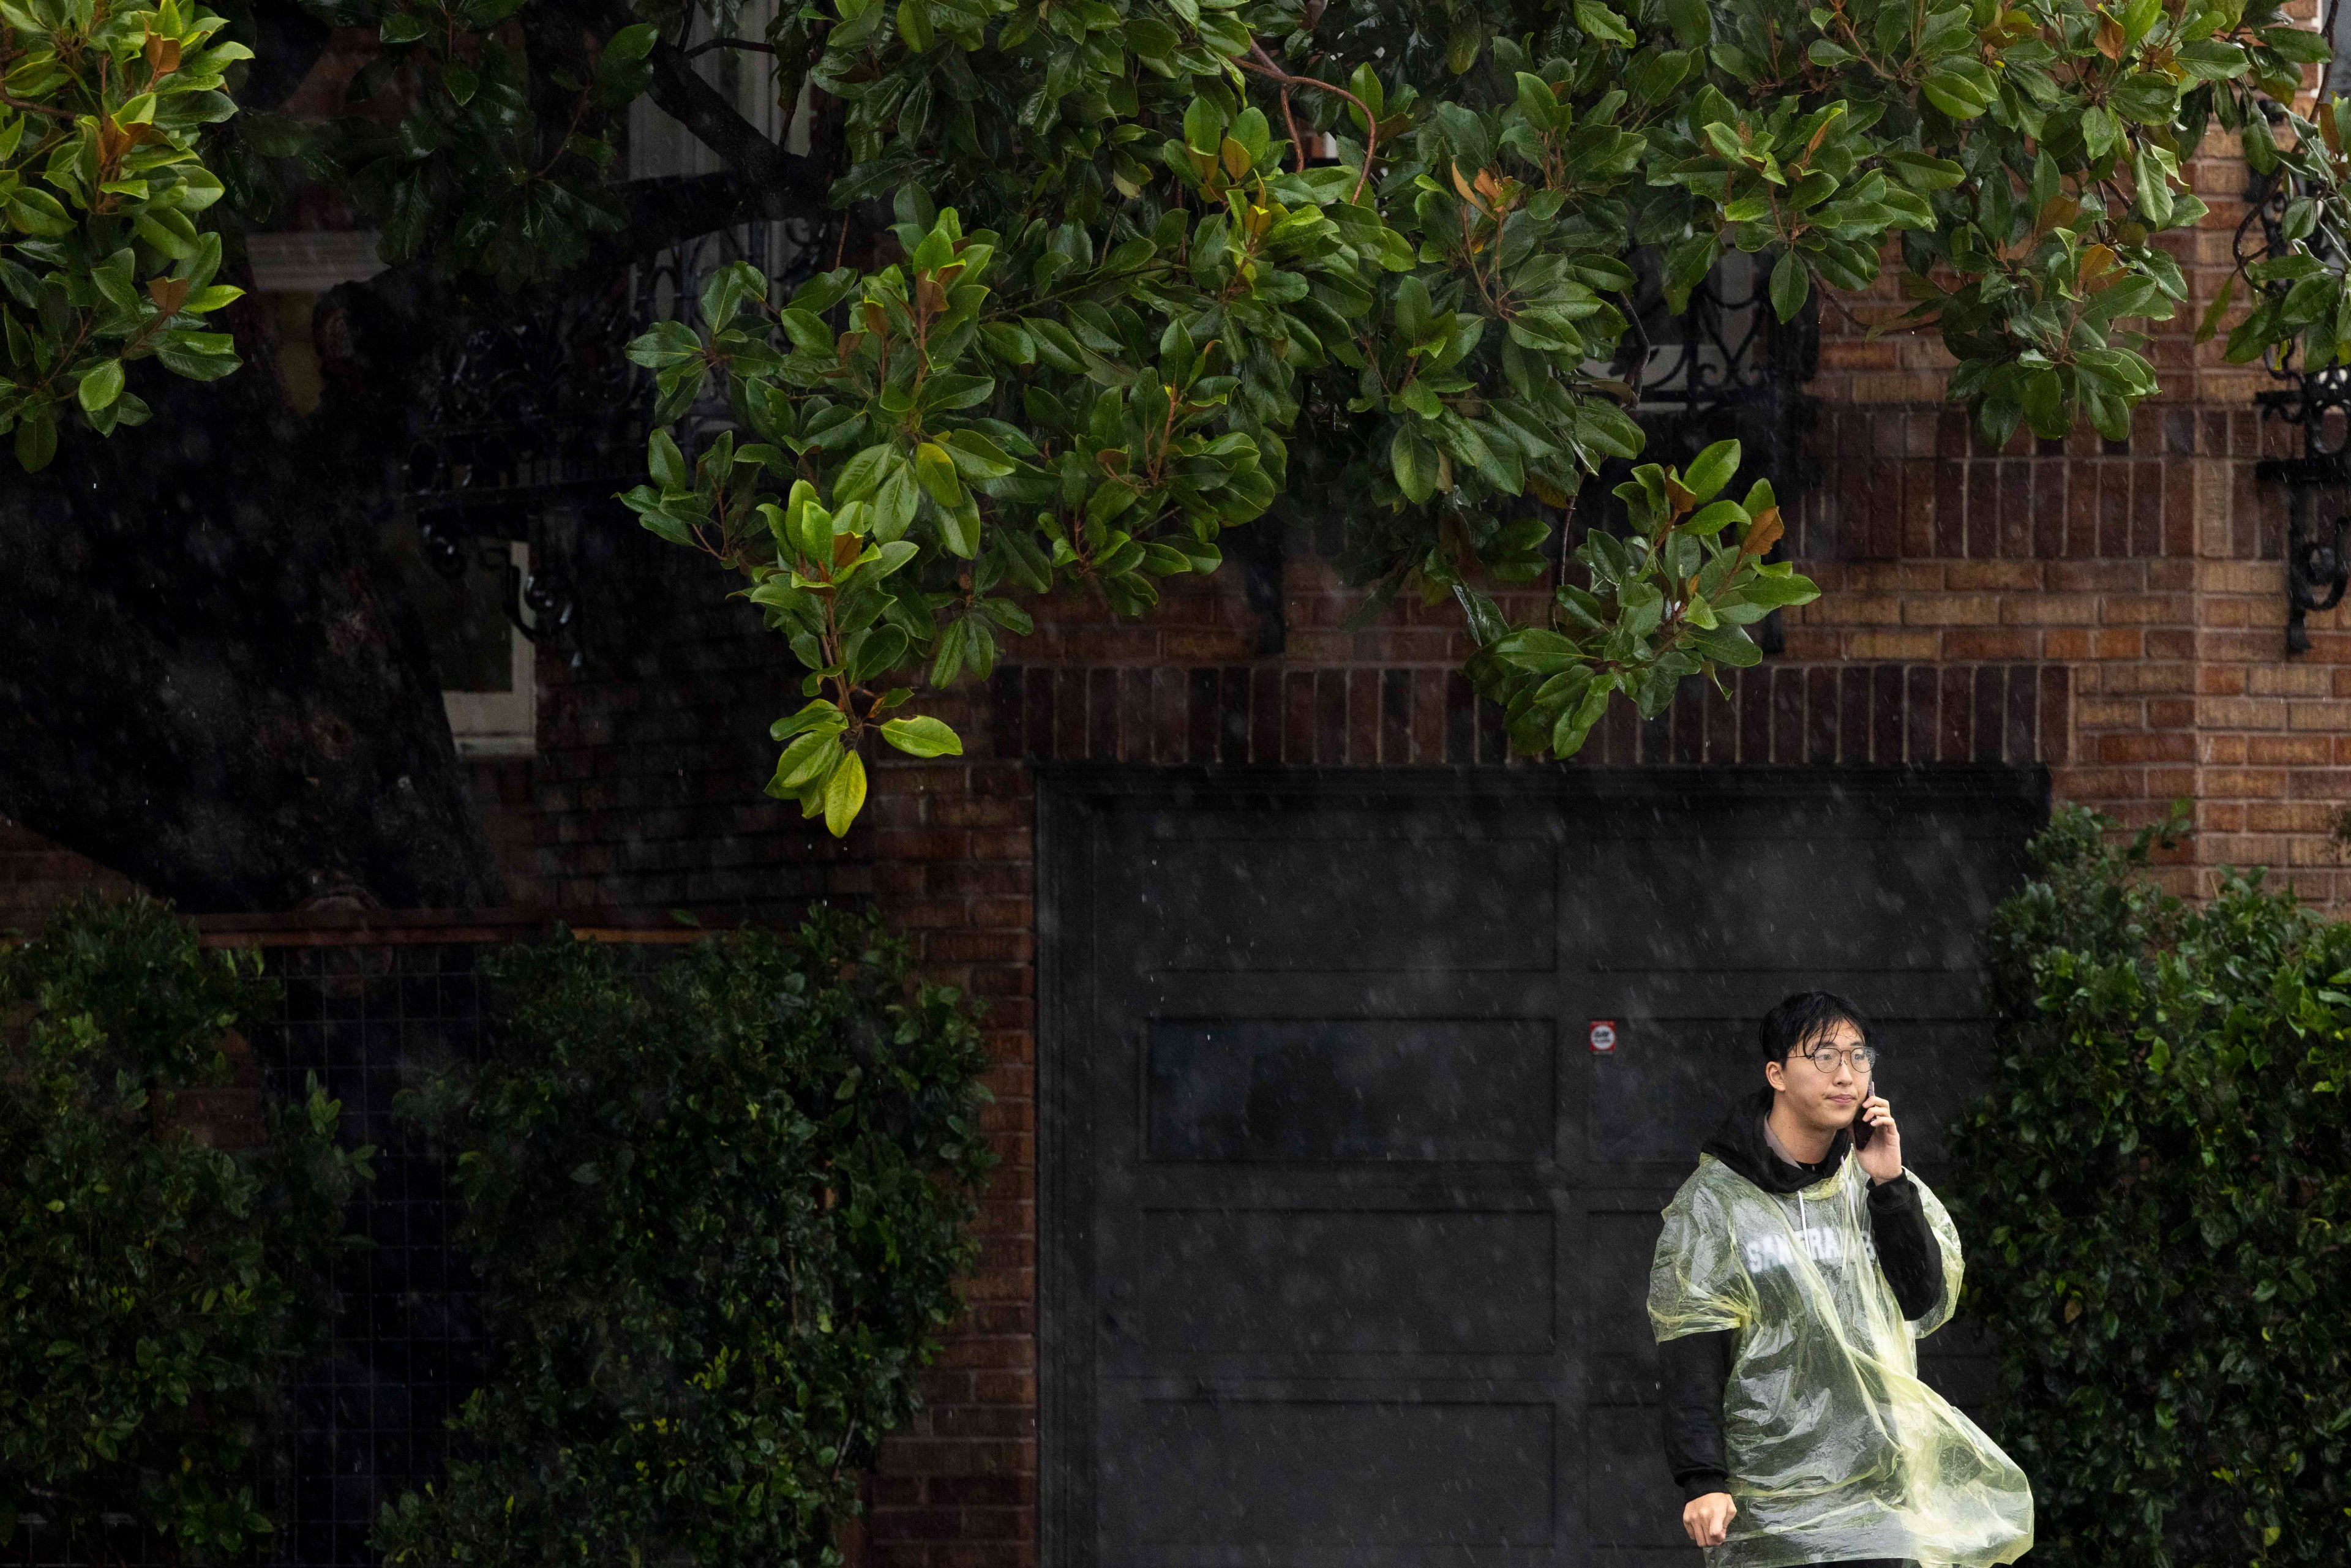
1776	1075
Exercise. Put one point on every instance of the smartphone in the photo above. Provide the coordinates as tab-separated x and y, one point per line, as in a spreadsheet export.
1862	1130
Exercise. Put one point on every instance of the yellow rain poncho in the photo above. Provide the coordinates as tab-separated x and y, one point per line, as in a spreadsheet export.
1836	1450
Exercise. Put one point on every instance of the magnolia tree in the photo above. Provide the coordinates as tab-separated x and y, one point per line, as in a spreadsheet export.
1117	306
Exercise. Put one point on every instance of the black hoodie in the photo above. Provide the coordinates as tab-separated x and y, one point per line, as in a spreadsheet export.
1695	1368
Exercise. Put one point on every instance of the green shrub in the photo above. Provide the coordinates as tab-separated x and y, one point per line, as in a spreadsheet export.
720	1216
2160	1182
156	1291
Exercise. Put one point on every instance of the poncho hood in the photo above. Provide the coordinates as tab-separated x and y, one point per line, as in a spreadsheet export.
1739	1143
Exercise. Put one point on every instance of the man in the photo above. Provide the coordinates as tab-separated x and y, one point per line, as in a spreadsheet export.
1794	1275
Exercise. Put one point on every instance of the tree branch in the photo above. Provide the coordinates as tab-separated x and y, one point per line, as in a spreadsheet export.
1260	63
751	44
679	91
558	49
671	208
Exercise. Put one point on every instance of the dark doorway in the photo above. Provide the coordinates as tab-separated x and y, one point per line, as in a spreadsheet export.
1346	1222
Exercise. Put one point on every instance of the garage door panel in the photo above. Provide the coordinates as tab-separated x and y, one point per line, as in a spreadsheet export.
1357	905
1313	996
1961	1363
1366	1281
1349	1090
1932	1071
1746	994
1619	1350
1778	905
1261	1476
1374	1185
1665	1085
1632	1500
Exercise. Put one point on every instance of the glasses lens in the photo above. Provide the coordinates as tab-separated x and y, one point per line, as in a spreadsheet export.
1863	1057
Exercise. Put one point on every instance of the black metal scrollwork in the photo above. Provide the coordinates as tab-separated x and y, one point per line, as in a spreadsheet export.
1725	366
2318	403
538	407
2317	569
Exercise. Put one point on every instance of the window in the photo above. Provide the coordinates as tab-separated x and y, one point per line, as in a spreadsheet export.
469	591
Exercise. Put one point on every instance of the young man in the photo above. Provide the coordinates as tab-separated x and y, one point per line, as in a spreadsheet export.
1794	1275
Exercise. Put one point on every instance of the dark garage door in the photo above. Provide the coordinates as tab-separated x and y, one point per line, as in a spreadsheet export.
1346	1226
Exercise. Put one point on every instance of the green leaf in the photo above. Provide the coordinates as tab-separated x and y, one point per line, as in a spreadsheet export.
666	462
36	212
811	758
864	474
1712	520
101	386
936	469
821	714
844	795
1711	469
946	655
1487	623
1792	285
1692	21
633	41
914	25
1956	92
1413	458
2210	324
922	736
1725	645
37	439
895	503
1774	593
1204	127
1924	172
1596	20
959	528
878	654
975	456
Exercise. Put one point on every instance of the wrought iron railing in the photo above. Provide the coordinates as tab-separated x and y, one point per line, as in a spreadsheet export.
536	409
2317	402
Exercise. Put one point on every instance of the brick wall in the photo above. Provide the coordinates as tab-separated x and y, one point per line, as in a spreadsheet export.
2151	568
36	875
2148	572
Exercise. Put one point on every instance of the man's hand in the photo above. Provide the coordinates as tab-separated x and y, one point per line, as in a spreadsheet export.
1883	1159
1707	1518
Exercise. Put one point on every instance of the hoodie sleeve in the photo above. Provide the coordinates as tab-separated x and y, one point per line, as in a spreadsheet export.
1693	1371
1907	1248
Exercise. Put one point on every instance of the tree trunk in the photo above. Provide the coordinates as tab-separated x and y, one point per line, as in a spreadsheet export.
210	678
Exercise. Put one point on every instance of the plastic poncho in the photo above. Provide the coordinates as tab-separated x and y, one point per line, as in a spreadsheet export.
1836	1450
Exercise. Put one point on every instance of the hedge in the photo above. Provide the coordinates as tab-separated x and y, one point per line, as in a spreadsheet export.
2158	1188
155	1292
720	1213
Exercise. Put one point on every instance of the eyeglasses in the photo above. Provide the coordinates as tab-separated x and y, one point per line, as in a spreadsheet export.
1826	1057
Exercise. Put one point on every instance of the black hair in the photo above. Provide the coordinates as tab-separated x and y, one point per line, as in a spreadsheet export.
1802	1016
